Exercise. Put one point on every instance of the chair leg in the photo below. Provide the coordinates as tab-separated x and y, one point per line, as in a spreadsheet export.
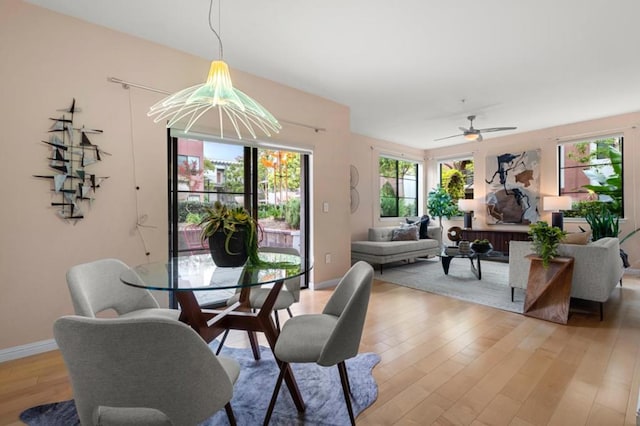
274	397
277	318
290	313
224	337
232	418
344	378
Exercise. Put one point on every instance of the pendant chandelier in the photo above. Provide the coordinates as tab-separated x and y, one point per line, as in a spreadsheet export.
216	93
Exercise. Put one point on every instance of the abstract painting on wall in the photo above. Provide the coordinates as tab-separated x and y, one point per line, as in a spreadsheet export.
71	155
513	188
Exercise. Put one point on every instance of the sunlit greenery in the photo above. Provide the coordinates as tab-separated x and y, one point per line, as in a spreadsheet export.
396	176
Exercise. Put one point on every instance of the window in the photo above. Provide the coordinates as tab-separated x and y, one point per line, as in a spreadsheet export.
456	177
590	172
398	187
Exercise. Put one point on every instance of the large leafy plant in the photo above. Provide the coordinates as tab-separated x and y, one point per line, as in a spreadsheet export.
609	184
546	240
440	204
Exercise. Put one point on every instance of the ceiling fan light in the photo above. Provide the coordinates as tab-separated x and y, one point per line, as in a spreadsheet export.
472	136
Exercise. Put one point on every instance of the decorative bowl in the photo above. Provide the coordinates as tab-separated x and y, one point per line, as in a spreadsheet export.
481	248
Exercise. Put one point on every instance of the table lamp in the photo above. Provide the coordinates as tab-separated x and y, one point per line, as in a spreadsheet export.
556	205
467	207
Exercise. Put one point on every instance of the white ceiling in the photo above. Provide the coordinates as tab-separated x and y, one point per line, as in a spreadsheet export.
412	70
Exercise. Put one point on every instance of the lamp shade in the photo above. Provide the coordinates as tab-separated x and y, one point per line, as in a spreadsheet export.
557	203
466	205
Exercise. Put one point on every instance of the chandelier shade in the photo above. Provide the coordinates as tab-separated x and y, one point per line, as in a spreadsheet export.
217	92
189	104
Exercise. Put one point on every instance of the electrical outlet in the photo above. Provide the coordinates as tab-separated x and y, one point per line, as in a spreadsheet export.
325	208
327	258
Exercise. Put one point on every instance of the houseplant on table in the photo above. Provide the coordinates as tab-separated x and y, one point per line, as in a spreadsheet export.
232	233
545	240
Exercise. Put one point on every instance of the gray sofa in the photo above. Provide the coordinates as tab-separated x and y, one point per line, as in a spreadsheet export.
597	268
379	249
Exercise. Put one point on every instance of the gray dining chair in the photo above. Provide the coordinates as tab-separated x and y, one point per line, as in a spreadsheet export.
96	287
328	338
289	294
143	371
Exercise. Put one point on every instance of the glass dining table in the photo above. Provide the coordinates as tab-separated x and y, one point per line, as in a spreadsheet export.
190	276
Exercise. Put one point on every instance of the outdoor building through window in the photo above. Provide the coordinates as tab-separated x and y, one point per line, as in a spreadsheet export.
456	177
590	172
398	187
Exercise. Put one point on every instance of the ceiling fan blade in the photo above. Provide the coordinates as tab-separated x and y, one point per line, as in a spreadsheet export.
497	129
464	130
448	137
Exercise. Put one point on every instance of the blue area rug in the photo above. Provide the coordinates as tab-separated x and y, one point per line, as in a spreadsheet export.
320	388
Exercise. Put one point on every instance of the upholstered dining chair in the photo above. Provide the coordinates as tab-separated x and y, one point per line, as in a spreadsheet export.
289	294
150	370
96	287
331	337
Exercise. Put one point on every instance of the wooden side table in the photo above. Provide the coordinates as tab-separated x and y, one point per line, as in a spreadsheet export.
549	290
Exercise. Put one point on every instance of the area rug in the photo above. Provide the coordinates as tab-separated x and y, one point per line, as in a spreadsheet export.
427	275
320	388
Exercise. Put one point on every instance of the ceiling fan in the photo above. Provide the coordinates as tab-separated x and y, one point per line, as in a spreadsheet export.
472	134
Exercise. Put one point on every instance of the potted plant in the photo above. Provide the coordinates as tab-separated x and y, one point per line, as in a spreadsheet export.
232	233
440	203
481	246
545	240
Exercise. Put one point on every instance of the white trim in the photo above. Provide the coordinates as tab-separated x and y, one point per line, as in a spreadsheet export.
27	350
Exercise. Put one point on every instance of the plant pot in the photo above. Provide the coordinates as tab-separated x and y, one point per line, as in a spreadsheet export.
235	256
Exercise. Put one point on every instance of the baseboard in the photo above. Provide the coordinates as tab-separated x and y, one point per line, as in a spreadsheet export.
630	271
324	284
27	350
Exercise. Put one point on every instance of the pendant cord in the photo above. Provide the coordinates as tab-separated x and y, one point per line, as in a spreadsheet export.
213	30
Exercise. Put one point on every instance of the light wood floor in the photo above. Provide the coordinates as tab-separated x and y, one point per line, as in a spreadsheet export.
449	362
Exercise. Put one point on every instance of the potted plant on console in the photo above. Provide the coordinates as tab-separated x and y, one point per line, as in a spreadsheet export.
232	233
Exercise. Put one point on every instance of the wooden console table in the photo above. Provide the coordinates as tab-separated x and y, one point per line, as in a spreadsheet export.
549	290
499	239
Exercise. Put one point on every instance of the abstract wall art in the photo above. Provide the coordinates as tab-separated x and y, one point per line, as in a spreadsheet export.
513	188
72	153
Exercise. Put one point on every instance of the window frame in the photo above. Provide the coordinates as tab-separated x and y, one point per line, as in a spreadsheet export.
417	168
595	162
469	192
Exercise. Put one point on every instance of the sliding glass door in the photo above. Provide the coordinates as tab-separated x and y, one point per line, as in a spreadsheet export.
271	184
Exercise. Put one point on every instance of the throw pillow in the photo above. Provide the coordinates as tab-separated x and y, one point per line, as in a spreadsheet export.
409	233
579	238
424	226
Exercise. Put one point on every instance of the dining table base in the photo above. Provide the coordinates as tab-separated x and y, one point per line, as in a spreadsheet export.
210	323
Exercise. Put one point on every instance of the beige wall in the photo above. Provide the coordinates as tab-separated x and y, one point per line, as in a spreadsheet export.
47	59
364	152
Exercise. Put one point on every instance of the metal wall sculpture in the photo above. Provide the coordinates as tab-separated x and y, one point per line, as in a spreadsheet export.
513	188
71	153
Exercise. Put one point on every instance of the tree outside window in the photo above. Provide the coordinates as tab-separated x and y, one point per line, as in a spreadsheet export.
456	178
398	187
